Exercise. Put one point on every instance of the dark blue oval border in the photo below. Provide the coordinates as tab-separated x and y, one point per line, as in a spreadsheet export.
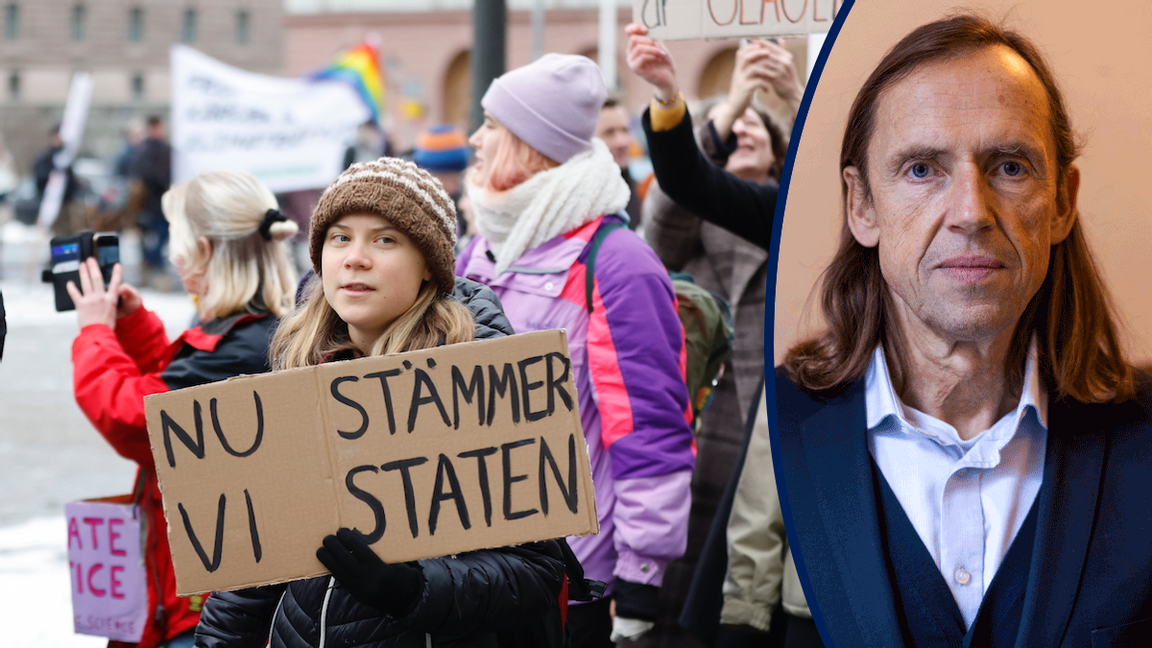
770	314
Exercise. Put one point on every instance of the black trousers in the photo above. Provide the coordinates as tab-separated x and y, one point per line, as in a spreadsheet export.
787	631
590	625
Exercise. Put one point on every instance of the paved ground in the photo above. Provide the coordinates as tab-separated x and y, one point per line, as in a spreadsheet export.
49	453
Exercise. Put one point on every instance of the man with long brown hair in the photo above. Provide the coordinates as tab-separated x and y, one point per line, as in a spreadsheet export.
967	454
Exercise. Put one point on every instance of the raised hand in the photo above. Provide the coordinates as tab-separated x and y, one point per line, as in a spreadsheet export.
96	304
779	69
760	65
651	61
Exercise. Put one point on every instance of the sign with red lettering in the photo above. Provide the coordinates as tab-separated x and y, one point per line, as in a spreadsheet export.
427	454
682	19
109	591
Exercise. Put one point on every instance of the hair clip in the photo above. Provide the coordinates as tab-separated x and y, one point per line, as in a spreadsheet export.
271	216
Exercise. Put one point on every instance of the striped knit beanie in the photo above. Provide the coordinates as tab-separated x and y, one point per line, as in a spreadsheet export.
410	199
441	148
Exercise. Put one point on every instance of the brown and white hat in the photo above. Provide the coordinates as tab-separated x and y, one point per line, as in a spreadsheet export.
412	200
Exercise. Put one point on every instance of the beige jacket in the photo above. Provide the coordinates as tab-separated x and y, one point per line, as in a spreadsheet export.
760	565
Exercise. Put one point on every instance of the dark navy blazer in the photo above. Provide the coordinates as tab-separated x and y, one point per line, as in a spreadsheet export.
1090	582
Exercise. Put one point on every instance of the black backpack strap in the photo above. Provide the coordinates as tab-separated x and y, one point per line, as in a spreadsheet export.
579	588
590	260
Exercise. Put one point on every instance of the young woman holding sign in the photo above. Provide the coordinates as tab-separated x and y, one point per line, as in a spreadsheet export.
382	239
227	245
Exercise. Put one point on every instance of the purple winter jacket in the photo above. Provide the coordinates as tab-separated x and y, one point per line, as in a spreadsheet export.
628	358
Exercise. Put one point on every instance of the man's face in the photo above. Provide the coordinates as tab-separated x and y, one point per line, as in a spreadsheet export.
613	129
965	203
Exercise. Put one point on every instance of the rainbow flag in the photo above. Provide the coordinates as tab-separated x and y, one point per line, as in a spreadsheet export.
360	68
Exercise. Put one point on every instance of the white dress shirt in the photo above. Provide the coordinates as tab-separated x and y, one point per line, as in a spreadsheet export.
966	499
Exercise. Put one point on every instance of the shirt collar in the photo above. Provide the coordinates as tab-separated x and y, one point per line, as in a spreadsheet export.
881	401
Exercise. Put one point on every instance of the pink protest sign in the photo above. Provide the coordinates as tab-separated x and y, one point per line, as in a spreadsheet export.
109	593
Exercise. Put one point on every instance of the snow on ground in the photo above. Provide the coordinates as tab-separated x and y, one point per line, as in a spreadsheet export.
35	603
35	594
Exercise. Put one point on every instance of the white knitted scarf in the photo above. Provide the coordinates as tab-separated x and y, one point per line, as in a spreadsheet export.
548	204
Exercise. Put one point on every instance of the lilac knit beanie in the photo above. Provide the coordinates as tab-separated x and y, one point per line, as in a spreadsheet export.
552	104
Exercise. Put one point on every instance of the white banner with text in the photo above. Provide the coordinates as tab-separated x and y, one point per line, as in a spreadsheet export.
290	134
684	19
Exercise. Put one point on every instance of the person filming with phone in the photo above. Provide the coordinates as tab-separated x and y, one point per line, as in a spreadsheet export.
227	245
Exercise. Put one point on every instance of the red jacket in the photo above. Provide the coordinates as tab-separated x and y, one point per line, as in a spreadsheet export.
113	372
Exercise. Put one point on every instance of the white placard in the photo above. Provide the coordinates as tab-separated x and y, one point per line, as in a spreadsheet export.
684	19
109	581
290	134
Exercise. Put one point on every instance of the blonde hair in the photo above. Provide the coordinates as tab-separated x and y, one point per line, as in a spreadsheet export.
515	161
314	331
245	271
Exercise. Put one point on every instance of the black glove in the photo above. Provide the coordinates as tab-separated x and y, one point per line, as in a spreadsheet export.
393	589
635	601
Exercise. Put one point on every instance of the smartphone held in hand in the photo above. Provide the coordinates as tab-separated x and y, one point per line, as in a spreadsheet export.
68	252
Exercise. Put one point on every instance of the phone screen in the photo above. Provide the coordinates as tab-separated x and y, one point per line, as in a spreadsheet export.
107	251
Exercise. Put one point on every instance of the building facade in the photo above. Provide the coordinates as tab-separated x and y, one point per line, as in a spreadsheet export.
124	45
425	50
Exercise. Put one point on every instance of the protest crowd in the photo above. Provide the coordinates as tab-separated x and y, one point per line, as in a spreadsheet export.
533	222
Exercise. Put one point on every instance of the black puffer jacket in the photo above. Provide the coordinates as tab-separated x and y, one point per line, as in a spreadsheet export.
466	600
491	598
485	306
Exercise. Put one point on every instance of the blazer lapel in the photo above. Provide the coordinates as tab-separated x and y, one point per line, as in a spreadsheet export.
1069	497
842	487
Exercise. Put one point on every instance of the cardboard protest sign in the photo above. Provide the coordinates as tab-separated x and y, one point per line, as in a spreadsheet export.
683	19
427	453
109	590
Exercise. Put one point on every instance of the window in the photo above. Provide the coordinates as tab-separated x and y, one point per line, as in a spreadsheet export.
135	24
14	85
242	27
137	86
11	21
79	14
188	30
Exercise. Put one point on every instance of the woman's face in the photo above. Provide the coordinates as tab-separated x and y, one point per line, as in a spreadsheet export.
193	281
484	143
753	158
190	262
372	274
